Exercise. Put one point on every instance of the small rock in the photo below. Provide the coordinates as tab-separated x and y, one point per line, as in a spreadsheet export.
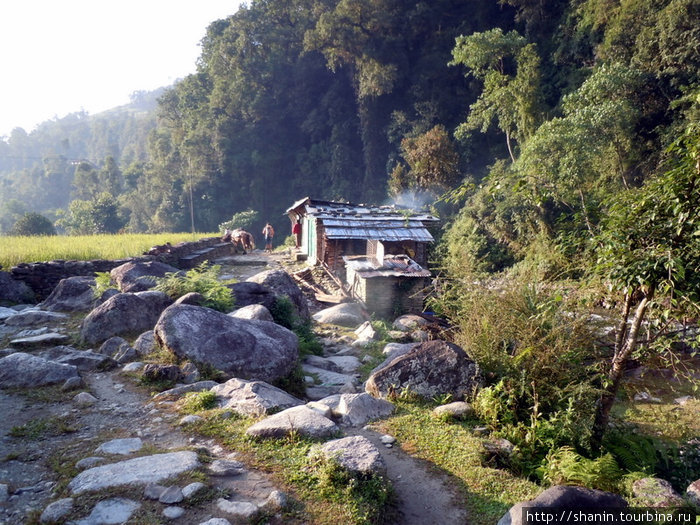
135	366
188	420
173	513
388	440
655	492
216	521
72	383
56	510
191	489
84	399
154	491
645	397
277	500
682	400
171	495
122	446
89	462
692	493
112	511
458	409
240	509
355	453
226	467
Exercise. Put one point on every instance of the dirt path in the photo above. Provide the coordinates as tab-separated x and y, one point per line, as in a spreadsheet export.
425	497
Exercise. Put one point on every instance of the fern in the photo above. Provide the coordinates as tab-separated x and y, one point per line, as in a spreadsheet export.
635	452
564	466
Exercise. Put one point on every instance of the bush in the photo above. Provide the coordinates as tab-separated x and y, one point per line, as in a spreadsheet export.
31	224
243	220
203	280
198	401
564	466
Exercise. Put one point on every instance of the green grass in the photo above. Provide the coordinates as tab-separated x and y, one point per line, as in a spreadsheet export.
320	493
42	428
15	250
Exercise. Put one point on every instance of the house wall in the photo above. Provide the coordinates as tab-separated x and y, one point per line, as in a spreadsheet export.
388	297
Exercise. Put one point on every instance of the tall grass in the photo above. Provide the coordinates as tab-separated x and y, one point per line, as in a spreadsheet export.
15	250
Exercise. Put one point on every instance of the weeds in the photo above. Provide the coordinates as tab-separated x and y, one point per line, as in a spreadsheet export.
203	280
42	428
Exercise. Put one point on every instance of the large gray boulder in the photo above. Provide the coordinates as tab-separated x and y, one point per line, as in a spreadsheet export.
20	370
82	359
73	294
354	453
253	311
431	369
282	284
248	293
139	276
253	398
242	348
561	496
301	419
13	291
350	315
123	314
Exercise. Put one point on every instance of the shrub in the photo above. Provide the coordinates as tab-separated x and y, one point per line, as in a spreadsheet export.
203	280
32	224
103	282
198	401
243	219
564	466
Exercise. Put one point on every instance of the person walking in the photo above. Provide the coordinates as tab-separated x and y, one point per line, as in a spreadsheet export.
269	233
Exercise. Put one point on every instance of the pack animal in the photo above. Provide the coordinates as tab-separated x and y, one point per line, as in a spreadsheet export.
240	238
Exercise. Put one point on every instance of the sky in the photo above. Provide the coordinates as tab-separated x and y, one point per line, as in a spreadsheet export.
62	56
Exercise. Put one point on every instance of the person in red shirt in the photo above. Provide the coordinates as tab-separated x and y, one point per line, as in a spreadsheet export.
296	231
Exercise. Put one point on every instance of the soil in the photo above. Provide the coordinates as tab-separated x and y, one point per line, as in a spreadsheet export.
125	409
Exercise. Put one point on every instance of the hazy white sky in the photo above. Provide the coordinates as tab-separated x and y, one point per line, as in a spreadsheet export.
61	56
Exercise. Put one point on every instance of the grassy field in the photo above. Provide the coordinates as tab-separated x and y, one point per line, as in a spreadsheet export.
15	250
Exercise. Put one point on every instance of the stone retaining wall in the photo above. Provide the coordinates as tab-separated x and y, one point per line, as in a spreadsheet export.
42	277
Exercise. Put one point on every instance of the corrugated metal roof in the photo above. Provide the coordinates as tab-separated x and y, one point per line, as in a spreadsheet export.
393	266
379	233
329	209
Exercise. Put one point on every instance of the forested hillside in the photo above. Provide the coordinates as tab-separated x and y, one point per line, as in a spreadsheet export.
534	111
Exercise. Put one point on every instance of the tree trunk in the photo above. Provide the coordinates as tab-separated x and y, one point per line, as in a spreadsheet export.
617	369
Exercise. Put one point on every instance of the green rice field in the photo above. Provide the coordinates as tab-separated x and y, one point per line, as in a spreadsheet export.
15	250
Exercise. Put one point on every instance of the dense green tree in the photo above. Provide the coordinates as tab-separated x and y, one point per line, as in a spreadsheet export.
95	216
33	224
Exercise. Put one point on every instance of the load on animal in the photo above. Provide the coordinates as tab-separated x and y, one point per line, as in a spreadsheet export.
240	239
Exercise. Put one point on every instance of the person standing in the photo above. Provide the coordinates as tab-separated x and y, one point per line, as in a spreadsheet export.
269	233
296	231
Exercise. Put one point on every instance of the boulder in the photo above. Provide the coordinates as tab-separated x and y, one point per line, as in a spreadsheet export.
145	343
39	341
82	359
253	311
158	372
433	368
355	410
247	293
33	317
73	294
13	291
114	345
692	493
253	398
354	453
301	419
561	496
141	470
139	276
194	298
25	370
655	492
113	510
124	313
345	314
282	284
409	322
246	349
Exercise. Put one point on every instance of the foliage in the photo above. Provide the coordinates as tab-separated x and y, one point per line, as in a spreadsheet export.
535	350
284	314
563	466
194	402
244	219
33	224
203	280
648	247
103	282
92	217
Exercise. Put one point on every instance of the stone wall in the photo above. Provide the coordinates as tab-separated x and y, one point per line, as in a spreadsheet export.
42	277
